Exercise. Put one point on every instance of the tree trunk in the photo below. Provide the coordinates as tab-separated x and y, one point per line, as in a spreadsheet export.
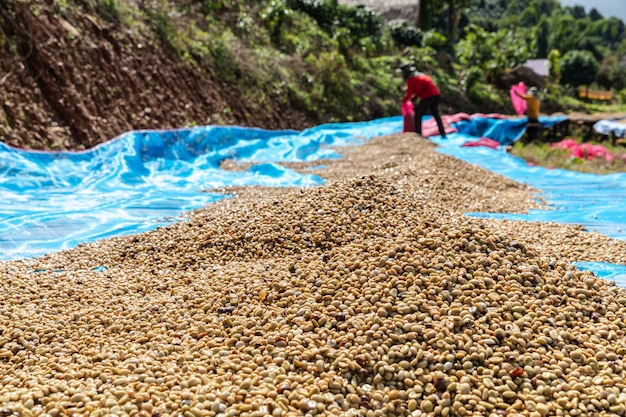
451	13
420	11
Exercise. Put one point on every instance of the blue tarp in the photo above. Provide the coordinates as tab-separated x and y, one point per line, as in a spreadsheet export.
609	272
56	200
593	201
53	201
503	131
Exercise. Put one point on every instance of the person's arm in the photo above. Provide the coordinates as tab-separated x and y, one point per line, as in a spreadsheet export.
409	92
414	89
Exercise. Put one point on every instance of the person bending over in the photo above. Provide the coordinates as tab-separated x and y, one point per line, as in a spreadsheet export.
421	86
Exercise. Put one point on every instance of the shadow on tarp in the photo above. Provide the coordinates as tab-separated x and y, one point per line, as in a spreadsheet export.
55	200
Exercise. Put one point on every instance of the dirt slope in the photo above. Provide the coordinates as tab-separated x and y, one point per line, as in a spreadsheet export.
75	81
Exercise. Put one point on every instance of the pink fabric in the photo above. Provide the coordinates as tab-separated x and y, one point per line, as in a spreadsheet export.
409	117
519	104
585	150
429	127
483	141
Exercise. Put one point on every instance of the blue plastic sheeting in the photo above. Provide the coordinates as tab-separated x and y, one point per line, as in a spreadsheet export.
503	131
607	127
594	201
138	181
53	201
609	272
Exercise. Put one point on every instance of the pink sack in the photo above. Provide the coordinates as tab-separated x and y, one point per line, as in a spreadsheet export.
519	104
585	151
409	117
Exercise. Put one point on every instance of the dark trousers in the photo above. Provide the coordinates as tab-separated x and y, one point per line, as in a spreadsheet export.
430	104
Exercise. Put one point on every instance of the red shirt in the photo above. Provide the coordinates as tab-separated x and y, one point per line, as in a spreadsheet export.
420	86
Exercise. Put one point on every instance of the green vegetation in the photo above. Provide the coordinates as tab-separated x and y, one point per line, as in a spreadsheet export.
543	154
337	63
578	68
568	31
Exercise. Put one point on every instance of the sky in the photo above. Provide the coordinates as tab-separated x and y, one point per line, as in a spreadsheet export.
607	8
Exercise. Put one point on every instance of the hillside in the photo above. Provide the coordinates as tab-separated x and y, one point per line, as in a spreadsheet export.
76	79
75	73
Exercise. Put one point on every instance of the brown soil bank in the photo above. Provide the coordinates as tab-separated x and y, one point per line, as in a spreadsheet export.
72	80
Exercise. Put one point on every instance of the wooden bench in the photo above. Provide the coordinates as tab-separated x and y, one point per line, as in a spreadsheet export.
595	94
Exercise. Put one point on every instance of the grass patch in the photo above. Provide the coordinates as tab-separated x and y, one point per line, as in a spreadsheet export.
607	108
545	155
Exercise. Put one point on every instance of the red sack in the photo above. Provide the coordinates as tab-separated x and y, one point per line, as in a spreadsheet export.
409	117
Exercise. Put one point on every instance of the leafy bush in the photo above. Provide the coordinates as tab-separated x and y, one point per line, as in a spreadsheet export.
303	36
108	9
273	16
324	12
492	52
165	30
554	59
404	33
332	83
210	6
361	21
349	25
611	74
434	40
484	96
578	68
221	57
473	75
423	59
245	22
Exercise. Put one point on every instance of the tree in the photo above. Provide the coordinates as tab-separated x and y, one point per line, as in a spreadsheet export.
579	12
589	44
543	30
611	74
425	15
563	32
578	68
493	51
453	18
544	7
606	71
429	9
595	15
620	51
554	58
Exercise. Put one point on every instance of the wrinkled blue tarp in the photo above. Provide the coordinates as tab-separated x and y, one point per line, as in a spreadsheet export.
503	131
594	201
54	201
